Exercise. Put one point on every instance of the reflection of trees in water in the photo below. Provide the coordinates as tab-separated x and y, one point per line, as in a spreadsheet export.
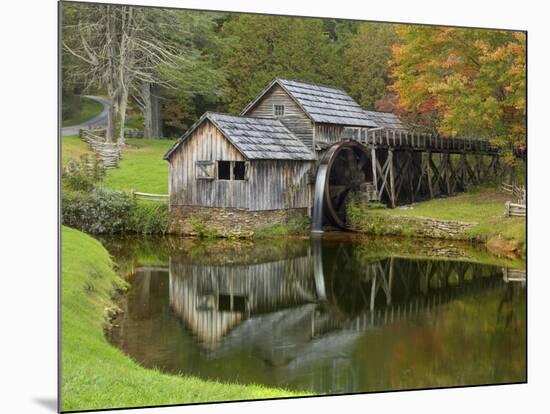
507	309
464	344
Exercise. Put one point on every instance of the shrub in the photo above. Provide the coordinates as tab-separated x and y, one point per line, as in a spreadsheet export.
150	218
201	229
107	212
295	225
83	175
100	211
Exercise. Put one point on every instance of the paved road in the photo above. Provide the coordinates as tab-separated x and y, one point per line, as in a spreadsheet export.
100	120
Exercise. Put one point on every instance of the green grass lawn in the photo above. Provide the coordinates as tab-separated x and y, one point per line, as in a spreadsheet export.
484	206
142	167
95	374
80	109
72	148
476	205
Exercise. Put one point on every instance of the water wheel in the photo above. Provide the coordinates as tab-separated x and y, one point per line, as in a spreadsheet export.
346	169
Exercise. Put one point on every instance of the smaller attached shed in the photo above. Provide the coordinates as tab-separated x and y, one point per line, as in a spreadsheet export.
254	164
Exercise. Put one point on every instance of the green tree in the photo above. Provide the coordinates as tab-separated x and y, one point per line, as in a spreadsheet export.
134	51
191	80
466	82
261	48
366	62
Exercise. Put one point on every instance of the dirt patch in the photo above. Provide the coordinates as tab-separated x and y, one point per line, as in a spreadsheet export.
491	196
507	248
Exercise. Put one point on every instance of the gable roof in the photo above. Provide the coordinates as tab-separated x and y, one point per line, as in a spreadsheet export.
385	119
255	138
322	104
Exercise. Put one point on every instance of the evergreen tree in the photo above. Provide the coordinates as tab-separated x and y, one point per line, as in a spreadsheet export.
261	48
366	65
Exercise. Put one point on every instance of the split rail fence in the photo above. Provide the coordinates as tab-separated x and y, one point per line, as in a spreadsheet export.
108	152
157	198
517	210
518	192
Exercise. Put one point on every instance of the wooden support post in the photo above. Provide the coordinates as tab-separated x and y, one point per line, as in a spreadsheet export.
446	172
452	174
428	175
392	178
479	167
423	176
384	178
462	175
399	173
374	161
411	171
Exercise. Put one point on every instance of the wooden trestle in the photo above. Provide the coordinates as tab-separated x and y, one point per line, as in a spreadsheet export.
408	167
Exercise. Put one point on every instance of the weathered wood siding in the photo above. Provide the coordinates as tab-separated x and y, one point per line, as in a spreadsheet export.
277	184
328	133
294	118
271	184
207	143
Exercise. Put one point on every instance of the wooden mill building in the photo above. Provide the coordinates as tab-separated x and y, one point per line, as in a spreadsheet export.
317	114
263	162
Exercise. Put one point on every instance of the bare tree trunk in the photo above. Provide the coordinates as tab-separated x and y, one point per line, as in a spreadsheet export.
111	119
150	108
147	110
156	122
125	61
112	90
122	114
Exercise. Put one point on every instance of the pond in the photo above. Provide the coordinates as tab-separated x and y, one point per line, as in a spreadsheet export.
326	315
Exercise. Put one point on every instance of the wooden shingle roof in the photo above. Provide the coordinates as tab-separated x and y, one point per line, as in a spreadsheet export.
255	138
385	119
322	104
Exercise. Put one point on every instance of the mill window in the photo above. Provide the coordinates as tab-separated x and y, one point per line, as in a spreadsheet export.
239	170
224	170
232	170
278	110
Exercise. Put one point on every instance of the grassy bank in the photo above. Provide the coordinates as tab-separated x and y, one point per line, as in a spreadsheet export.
142	167
97	375
72	149
78	109
482	206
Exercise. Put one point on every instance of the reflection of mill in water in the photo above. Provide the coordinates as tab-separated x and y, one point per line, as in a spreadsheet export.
298	310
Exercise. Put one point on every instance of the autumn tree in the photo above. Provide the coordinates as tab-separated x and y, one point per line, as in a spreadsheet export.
463	82
366	63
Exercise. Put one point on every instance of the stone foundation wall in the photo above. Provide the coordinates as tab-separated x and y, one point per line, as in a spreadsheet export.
427	227
225	222
413	226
